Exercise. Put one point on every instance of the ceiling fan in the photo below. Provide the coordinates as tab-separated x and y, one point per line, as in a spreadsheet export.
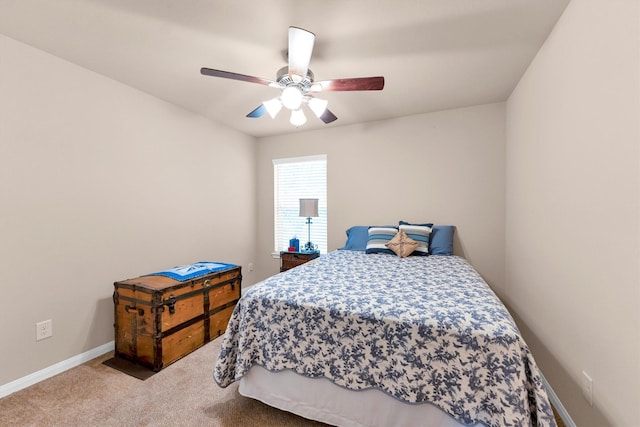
297	84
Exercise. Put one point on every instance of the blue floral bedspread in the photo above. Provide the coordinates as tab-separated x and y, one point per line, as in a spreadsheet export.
421	329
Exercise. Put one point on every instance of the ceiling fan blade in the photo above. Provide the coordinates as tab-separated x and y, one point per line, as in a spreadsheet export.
359	83
328	116
300	50
258	112
236	76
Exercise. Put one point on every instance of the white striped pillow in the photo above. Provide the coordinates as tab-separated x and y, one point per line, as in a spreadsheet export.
378	238
419	233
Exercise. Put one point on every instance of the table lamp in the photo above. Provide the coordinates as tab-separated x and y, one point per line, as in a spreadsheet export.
309	209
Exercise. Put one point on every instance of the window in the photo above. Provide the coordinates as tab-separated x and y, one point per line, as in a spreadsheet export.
294	179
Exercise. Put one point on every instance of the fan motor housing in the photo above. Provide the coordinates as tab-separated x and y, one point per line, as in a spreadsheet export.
282	77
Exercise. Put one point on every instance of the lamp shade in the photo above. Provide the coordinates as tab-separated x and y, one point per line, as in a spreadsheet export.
309	207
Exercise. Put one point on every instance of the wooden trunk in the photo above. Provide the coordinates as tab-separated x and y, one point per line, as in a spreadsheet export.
158	319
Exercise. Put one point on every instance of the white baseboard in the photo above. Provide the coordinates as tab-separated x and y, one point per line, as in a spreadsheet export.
52	370
555	401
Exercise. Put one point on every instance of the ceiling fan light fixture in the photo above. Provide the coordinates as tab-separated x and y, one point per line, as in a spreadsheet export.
297	118
273	106
292	97
296	83
318	106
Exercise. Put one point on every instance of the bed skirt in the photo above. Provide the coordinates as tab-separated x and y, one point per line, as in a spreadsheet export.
326	402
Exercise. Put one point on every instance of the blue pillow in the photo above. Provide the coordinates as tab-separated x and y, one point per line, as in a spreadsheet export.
357	237
441	240
378	238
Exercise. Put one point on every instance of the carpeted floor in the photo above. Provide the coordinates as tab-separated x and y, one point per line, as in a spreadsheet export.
183	394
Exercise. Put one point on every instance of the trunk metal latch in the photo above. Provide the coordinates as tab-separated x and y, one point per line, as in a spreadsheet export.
171	303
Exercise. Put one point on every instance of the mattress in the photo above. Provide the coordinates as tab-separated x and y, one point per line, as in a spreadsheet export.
423	331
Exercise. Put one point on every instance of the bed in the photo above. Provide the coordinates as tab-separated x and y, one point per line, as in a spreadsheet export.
373	339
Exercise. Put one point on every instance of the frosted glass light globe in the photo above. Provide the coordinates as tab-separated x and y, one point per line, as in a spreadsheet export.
273	107
318	106
297	118
291	97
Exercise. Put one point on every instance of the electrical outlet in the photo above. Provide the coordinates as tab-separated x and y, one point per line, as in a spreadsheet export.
587	388
44	329
250	266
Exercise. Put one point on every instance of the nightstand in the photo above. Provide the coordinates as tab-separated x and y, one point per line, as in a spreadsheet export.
289	260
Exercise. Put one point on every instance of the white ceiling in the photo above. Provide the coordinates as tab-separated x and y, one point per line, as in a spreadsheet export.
434	54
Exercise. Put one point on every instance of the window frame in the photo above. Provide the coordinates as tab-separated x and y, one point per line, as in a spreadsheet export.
281	226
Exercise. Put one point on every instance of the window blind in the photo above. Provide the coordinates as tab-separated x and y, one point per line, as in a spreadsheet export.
294	179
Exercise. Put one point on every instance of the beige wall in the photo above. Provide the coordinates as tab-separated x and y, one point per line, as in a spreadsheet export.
572	198
100	182
445	167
